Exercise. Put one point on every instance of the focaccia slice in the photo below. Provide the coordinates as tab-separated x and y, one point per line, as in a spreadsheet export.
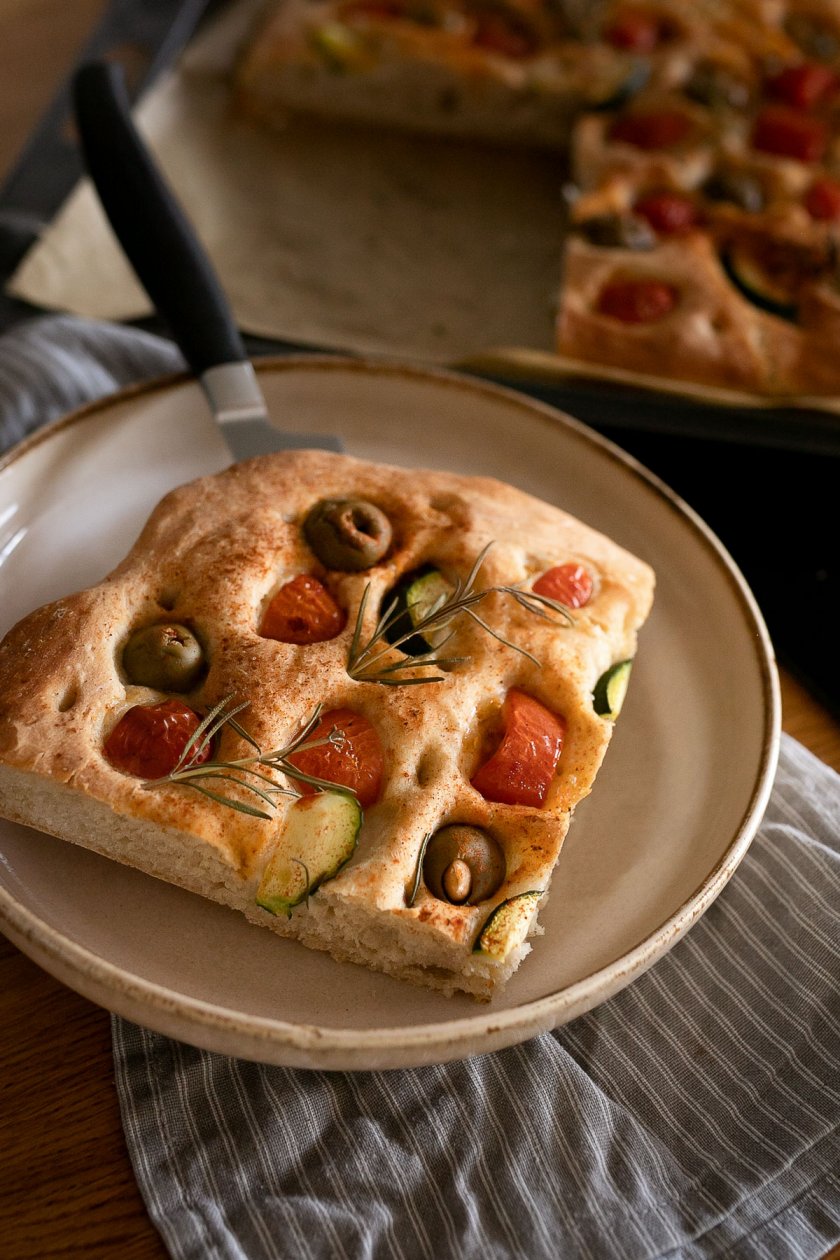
505	71
231	563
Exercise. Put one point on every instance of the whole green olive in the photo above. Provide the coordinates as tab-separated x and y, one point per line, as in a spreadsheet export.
166	656
347	534
463	865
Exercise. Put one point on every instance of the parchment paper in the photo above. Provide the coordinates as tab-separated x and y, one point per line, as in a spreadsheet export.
340	237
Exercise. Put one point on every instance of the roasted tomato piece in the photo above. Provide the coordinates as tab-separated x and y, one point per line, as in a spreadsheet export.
637	301
522	767
149	739
356	763
822	200
668	213
651	129
788	134
637	30
803	86
303	611
569	584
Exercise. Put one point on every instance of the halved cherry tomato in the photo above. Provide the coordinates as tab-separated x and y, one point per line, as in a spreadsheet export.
522	767
637	301
569	584
503	33
788	134
822	200
303	611
637	30
651	129
668	213
803	86
357	763
149	739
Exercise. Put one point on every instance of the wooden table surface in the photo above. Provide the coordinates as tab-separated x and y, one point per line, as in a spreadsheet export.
66	1184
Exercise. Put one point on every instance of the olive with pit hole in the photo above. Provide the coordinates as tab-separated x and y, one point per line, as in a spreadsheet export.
347	534
166	656
463	865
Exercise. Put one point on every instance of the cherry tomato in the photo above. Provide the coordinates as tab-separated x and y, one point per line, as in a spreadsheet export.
652	129
668	213
500	32
822	200
522	767
149	739
788	134
303	611
357	763
637	301
803	86
636	30
569	584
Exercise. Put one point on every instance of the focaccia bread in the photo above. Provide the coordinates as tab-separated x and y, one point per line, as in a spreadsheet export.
511	72
698	141
253	598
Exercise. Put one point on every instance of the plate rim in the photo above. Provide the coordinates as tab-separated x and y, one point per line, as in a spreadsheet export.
277	1041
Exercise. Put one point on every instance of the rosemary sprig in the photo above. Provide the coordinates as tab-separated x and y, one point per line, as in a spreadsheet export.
363	660
251	774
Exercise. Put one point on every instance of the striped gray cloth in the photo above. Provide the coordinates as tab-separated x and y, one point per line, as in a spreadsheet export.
695	1114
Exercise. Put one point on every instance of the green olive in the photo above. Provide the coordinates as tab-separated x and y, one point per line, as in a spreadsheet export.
718	87
347	534
739	187
620	231
815	37
463	865
166	656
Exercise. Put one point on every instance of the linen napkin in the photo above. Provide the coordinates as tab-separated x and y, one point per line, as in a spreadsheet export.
695	1114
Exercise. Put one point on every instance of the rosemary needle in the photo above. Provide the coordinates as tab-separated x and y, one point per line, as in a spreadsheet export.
251	774
364	660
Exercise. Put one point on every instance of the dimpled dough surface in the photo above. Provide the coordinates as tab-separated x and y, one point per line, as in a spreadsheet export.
211	555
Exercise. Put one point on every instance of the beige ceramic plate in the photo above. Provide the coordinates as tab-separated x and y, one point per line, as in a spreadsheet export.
673	811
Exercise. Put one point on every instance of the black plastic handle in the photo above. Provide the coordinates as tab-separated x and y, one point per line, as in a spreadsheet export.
150	224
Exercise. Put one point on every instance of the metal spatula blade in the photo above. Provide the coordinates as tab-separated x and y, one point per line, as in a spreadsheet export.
172	265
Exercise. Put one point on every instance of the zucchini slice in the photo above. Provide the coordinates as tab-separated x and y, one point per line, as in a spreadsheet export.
508	925
416	595
773	289
610	690
319	835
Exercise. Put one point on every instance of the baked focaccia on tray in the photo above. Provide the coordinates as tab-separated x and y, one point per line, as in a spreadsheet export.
356	703
697	143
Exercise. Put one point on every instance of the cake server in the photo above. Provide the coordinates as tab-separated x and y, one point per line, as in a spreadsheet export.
172	265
